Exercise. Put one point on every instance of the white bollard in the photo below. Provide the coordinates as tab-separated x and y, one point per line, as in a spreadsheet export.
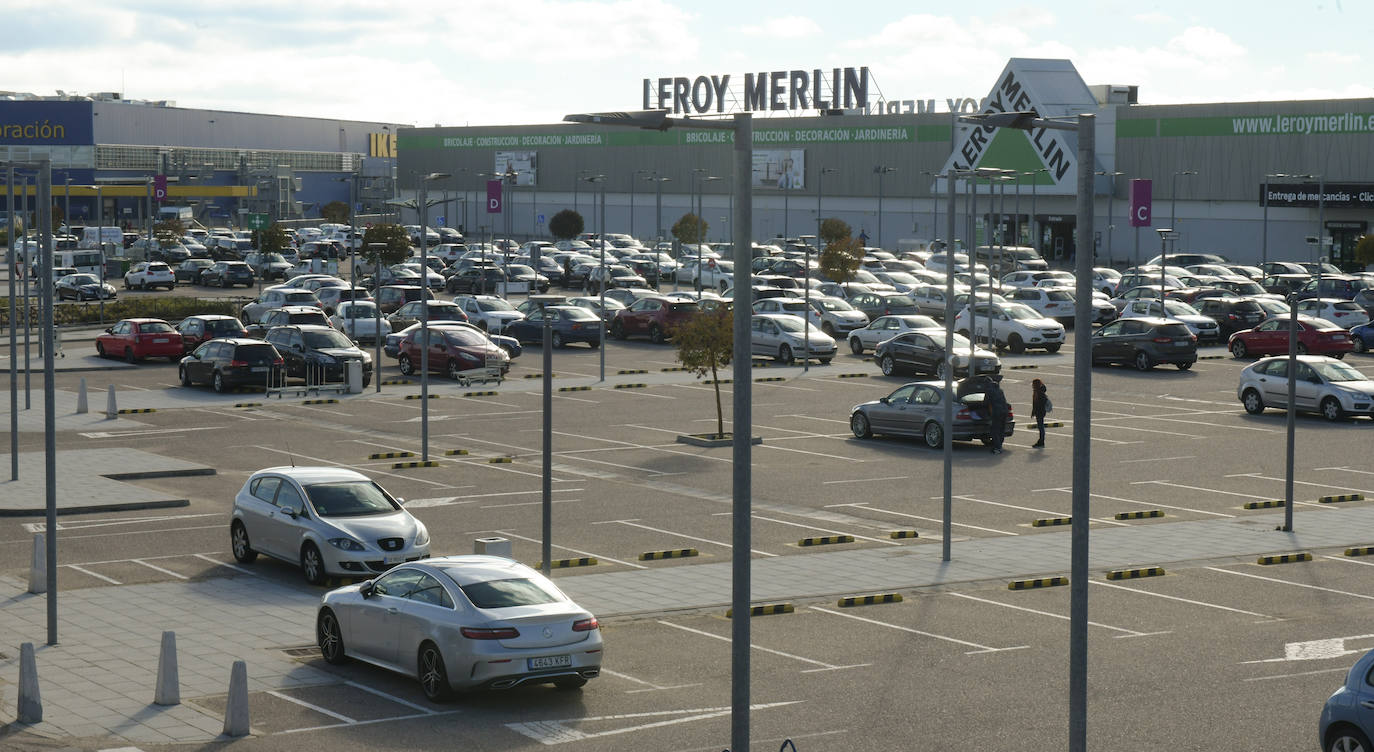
236	711
111	412
30	702
38	568
81	407
168	690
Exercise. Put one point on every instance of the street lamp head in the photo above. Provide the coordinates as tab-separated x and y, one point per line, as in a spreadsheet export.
1022	121
593	178
654	120
884	169
437	176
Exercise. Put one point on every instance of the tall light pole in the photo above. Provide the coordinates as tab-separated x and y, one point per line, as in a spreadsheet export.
658	205
601	283
880	171
806	262
1034	221
581	175
424	312
1173	196
634	178
1111	195
1264	233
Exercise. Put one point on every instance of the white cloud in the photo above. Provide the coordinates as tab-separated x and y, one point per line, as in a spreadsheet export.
1152	17
784	29
1332	58
1205	44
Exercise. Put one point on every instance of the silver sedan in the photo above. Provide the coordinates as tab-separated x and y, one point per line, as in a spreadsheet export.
462	623
784	336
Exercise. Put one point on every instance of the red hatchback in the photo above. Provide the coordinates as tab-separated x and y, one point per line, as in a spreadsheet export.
655	316
141	338
1315	336
452	351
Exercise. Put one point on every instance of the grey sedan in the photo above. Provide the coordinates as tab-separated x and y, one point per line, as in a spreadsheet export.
918	409
784	337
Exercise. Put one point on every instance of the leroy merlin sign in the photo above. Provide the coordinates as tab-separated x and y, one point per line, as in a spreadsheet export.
1051	89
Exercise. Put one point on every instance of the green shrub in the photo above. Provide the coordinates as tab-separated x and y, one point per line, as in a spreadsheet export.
170	308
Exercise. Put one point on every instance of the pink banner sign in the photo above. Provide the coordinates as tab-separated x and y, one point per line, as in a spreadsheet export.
493	197
1141	206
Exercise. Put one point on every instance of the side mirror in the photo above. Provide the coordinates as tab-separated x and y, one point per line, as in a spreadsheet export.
110	330
365	589
291	512
884	400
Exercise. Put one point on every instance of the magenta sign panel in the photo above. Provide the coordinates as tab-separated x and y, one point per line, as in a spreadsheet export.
1141	202
493	197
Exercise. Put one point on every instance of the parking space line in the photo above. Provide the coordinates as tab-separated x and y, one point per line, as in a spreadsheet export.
1345	469
823	666
1133	501
1128	632
864	505
1033	509
160	569
1159	459
444	501
635	523
598	557
575	399
316	409
1349	560
1264	617
93	574
392	698
219	563
1300	673
1105	424
1333	591
812	417
822	529
786	386
1300	482
312	706
369	722
651	686
636	393
806	451
866	480
1252	497
980	648
332	463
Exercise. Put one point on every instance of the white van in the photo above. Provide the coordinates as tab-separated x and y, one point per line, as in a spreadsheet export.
95	237
84	261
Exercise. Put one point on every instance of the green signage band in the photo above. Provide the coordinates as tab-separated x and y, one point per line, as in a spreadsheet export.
683	137
1248	125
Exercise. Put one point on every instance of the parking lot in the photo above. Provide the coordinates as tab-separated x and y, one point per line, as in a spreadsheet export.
928	671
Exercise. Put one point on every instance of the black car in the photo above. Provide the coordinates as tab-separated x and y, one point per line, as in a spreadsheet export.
1345	287
875	304
476	280
923	351
189	271
1232	314
568	324
227	274
318	353
287	316
83	287
1145	343
1285	284
1365	299
228	362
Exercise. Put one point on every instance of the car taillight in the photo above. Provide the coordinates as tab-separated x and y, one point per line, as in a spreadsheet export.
963	414
586	625
500	633
278	362
238	364
1162	340
1232	316
576	327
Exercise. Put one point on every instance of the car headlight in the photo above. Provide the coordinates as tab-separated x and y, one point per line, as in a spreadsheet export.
421	536
346	544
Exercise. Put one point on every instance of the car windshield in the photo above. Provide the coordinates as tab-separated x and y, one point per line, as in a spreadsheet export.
833	304
899	301
361	312
1338	372
1175	308
349	499
304	296
573	313
83	279
1174	330
494	305
790	323
465	337
903	278
223	326
321	339
1020	313
154	327
274	258
1247	288
507	593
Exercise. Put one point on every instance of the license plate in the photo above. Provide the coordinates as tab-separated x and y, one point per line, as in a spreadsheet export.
550	661
394	559
1180	344
259	369
161	341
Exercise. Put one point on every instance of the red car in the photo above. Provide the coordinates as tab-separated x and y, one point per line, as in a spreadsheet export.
451	351
197	330
141	338
1315	336
654	315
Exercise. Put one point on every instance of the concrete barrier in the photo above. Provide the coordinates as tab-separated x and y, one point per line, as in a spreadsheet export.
38	569
236	720
168	691
111	410
82	407
30	701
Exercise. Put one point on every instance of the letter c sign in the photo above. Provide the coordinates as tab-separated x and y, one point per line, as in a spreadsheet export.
1141	202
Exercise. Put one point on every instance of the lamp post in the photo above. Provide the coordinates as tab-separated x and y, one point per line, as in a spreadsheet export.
881	170
698	179
601	267
11	231
742	125
1167	237
424	312
806	278
544	301
658	206
1034	220
1111	196
377	250
581	175
634	178
1173	196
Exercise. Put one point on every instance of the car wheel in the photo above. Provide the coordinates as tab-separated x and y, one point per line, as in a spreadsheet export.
403	363
1053	348
1254	404
935	435
858	423
219	382
1238	349
1338	355
618	330
556	339
100	349
1302	349
1332	410
594	344
655	334
432	674
568	683
1015	344
329	636
1142	361
240	545
940	370
1185	365
855	346
1345	738
825	361
312	564
185	379
785	355
828	329
453	369
1360	346
888	365
129	355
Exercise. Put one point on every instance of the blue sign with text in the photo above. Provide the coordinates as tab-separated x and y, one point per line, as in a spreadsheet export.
47	123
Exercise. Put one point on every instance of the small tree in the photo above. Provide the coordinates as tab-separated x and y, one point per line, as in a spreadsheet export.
59	218
272	240
1364	251
690	228
841	259
170	227
704	344
396	242
335	211
834	230
566	225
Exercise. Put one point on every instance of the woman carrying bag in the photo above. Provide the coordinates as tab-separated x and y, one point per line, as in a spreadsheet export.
1040	404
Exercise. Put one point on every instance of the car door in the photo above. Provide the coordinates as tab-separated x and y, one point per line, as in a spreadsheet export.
887	415
286	529
1271	337
1273	381
1102	341
256	512
199	368
425	603
918	351
924	405
375	618
1308	388
757	334
192	332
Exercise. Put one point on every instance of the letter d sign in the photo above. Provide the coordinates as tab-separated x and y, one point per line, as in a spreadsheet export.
1141	196
159	188
493	197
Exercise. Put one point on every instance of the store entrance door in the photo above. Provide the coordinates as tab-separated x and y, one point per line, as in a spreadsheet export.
1344	236
1056	236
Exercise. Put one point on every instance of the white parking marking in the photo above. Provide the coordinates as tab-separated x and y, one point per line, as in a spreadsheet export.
823	665
651	686
635	523
85	571
312	706
368	722
1128	632
1032	509
1264	617
1346	469
978	648
392	698
160	569
1349	560
332	463
1300	482
219	563
598	557
804	451
1295	584
1159	459
866	480
1300	673
864	505
821	529
636	393
1142	503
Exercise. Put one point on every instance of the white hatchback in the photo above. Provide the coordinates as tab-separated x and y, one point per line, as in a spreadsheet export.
1016	326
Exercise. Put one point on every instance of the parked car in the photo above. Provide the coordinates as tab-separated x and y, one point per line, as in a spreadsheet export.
188	272
1232	314
360	320
1203	327
1362	337
1016	326
197	330
593	304
509	626
783	337
1323	385
451	351
835	316
1342	286
331	521
276	297
135	339
488	312
654	316
884	328
391	346
568	324
269	266
286	316
311	349
1145	342
875	304
230	362
83	287
227	274
923	351
1345	724
147	275
1315	336
918	409
391	297
331	297
1339	311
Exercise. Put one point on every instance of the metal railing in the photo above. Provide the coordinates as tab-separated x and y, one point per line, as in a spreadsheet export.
317	380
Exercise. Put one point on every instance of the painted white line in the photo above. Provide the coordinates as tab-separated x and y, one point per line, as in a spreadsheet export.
651	686
812	417
866	480
1300	673
1301	482
317	409
391	698
332	463
1349	560
1346	470
1333	591
823	666
977	648
160	569
1033	509
864	505
825	530
367	723
219	563
312	706
1185	600
814	454
1146	503
634	523
1160	459
1127	632
528	504
40	527
1252	497
575	399
93	574
552	732
598	557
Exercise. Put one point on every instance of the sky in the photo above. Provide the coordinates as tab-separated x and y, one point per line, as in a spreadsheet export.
492	62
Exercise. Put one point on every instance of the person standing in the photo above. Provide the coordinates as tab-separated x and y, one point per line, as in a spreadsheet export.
996	402
1040	403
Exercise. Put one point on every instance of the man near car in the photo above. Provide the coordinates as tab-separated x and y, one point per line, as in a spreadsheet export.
996	401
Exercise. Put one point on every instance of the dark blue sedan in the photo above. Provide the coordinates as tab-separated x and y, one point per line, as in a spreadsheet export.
568	323
1362	337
